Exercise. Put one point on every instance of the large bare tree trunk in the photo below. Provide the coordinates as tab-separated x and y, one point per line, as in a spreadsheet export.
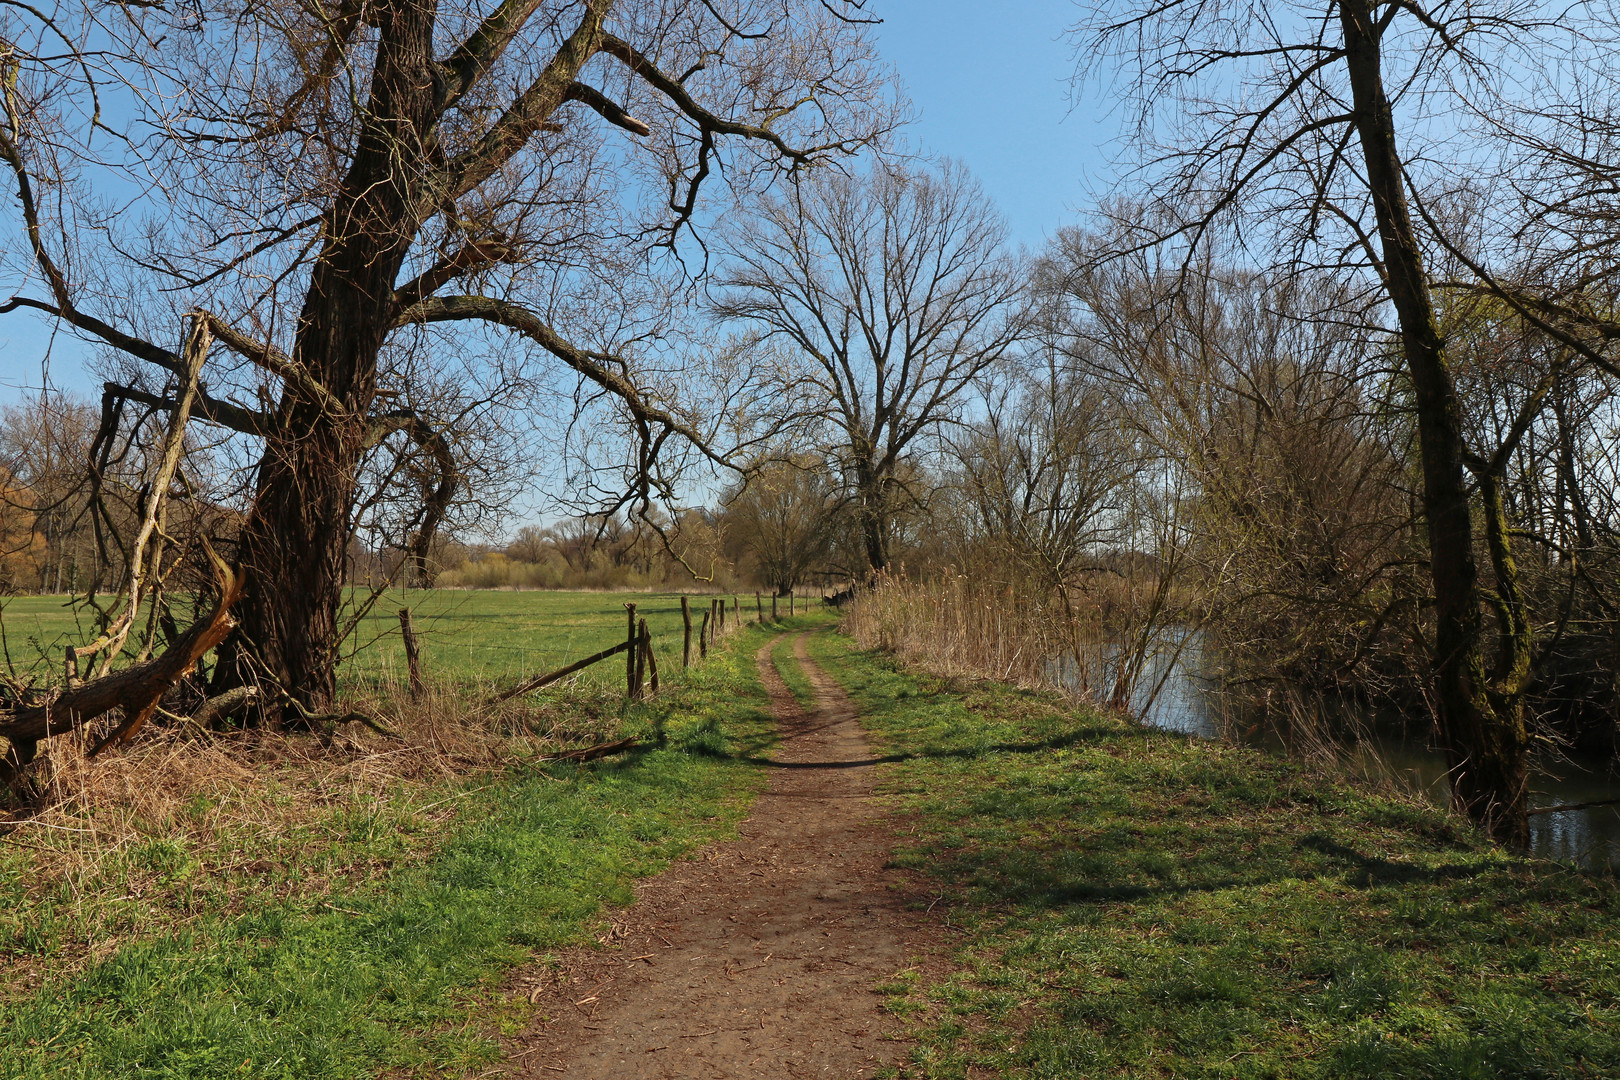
295	543
872	511
1483	731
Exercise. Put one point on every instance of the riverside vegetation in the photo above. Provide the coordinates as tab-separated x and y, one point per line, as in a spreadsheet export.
1128	902
1140	903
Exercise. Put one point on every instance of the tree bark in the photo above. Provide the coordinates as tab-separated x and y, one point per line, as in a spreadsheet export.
294	544
413	654
1483	733
874	520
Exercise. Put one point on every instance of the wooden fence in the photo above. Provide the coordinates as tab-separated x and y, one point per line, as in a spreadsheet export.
640	661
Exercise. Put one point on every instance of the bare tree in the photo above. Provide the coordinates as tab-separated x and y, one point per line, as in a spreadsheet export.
892	290
1298	540
44	445
530	545
1045	471
353	196
784	517
1281	121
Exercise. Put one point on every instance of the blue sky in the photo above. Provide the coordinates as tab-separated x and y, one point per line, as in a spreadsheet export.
991	85
991	81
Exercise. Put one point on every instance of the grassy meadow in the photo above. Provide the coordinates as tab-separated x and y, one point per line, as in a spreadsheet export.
1136	903
478	638
471	639
341	904
1122	902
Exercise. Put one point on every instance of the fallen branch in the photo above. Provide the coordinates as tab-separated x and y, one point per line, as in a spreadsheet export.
551	677
136	689
317	721
352	717
111	641
228	702
601	750
1572	806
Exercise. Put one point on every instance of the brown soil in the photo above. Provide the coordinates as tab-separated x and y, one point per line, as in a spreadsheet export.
761	957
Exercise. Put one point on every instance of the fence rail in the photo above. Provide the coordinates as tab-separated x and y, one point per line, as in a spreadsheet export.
641	661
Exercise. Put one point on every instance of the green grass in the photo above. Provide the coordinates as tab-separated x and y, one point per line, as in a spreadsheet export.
282	969
1139	904
787	666
477	637
38	627
470	638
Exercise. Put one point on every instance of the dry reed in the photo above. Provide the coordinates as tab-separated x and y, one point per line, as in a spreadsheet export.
1110	646
959	626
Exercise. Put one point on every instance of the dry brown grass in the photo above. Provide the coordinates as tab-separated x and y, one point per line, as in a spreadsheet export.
958	626
1099	648
143	841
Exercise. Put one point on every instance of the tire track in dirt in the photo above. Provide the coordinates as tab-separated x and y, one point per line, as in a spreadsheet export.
758	957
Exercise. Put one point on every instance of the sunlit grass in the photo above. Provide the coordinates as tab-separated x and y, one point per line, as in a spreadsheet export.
470	638
1142	904
272	906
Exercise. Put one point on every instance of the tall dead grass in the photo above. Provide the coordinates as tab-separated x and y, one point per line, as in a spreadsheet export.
95	851
960	626
1111	646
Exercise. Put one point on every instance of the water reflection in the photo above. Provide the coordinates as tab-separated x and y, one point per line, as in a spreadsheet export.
1589	837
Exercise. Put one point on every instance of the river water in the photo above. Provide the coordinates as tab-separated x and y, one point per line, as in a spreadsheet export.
1589	837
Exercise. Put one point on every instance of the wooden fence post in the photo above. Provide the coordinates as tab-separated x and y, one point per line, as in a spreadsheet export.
630	653
652	658
703	637
641	656
773	607
736	612
790	602
759	608
413	653
686	640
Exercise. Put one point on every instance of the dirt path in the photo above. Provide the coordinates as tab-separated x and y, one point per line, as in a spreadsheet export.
759	957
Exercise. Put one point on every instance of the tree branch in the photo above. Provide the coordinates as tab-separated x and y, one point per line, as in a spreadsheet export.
593	366
610	111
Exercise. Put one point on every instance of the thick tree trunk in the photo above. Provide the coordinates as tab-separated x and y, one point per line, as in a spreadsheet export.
874	521
1483	733
295	541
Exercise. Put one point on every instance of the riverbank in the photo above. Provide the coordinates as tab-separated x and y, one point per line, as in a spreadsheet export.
1116	902
1139	903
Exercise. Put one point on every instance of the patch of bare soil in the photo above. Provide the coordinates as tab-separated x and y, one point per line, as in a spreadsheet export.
760	957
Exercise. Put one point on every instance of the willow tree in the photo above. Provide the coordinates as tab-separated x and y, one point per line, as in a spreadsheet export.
1377	140
354	196
785	514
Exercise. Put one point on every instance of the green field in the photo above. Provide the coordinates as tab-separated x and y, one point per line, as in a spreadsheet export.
36	628
1123	902
479	637
298	922
470	638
